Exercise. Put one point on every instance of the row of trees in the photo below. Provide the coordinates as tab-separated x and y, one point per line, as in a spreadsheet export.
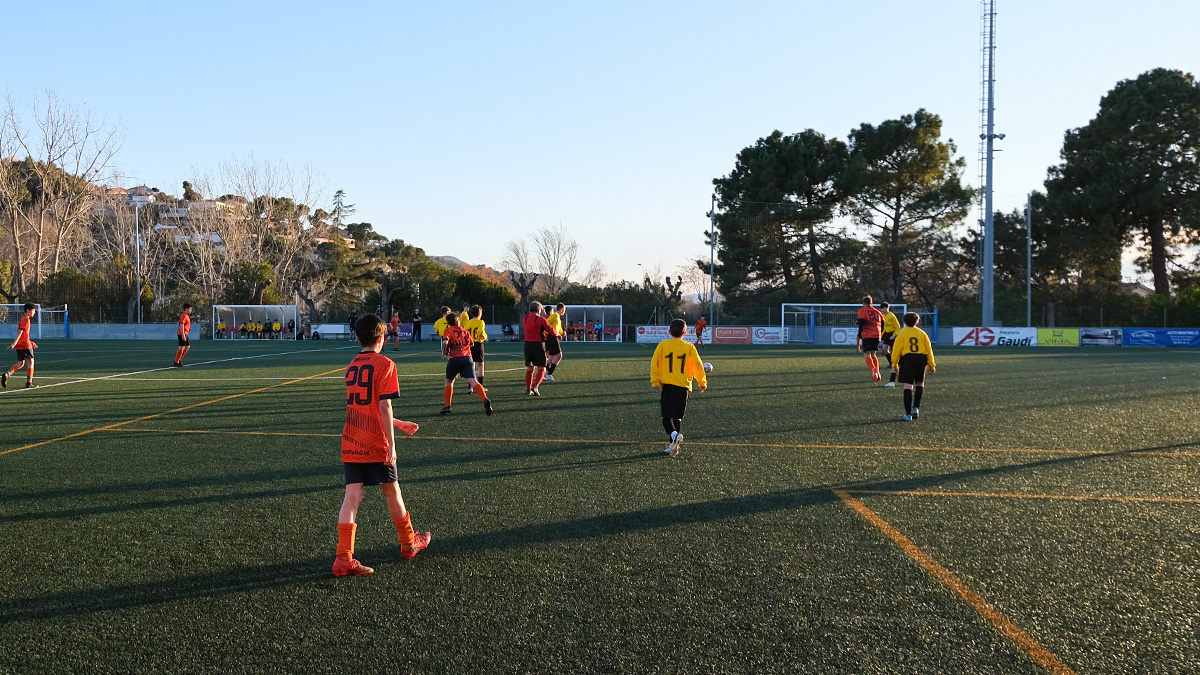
806	217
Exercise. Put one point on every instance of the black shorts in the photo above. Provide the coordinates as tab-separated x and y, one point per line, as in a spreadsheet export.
912	368
183	340
460	365
674	401
889	339
552	346
870	344
535	354
369	473
24	354
477	352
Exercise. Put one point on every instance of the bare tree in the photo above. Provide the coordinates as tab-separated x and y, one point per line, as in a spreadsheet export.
557	256
597	274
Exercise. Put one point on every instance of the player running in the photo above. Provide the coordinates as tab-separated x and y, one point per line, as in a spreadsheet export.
870	324
182	328
891	326
536	330
554	355
700	326
911	355
24	347
672	368
478	330
394	331
457	348
369	447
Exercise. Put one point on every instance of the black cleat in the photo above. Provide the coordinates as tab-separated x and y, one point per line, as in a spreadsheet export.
535	392
4	380
177	364
487	405
445	410
30	385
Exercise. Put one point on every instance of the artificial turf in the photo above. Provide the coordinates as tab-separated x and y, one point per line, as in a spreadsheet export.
183	520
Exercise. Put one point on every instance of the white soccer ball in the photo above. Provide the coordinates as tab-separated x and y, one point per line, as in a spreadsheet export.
708	367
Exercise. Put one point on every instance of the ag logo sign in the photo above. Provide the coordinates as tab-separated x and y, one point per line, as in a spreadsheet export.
974	337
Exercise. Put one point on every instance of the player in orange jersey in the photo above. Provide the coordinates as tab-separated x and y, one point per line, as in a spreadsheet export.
456	346
394	330
701	324
24	347
181	334
369	447
870	327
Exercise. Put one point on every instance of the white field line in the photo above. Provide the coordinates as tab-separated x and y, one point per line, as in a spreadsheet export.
128	378
118	376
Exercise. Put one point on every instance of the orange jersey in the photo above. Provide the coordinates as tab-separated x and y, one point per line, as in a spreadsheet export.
23	341
458	341
185	324
874	325
395	324
370	378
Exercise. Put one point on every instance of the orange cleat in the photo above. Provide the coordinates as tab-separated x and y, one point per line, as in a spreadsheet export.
409	551
350	568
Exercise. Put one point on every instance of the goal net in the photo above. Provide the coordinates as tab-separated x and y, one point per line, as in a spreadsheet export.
826	324
255	322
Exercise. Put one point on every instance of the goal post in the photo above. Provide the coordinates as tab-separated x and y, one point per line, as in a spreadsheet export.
11	313
255	322
825	323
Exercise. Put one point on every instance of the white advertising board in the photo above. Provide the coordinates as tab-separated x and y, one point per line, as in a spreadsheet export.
656	334
766	335
995	337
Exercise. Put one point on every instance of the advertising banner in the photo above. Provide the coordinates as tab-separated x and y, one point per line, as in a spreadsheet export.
995	337
731	335
1058	337
843	336
653	335
1161	337
766	335
405	331
1108	337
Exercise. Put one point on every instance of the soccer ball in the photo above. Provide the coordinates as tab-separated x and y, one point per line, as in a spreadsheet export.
708	367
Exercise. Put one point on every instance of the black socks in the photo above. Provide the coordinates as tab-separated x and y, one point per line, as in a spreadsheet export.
917	391
908	401
550	368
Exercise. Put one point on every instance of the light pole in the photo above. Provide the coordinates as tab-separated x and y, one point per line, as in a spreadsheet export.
712	261
1029	260
138	202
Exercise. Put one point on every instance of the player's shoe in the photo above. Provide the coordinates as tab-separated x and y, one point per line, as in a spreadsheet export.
487	406
4	380
549	378
673	448
177	364
529	392
535	392
419	543
890	384
907	418
916	413
445	411
350	568
30	385
875	376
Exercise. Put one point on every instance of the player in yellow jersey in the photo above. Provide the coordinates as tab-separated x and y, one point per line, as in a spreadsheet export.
554	355
891	326
478	330
912	354
674	365
439	326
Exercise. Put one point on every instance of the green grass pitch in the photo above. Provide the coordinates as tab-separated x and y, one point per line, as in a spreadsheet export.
183	520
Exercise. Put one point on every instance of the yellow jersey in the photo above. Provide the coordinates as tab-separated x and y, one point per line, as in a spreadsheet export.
477	329
463	318
555	321
912	340
890	323
440	326
677	362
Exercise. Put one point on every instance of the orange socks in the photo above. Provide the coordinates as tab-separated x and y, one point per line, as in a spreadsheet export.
478	389
448	394
345	549
405	530
870	366
178	354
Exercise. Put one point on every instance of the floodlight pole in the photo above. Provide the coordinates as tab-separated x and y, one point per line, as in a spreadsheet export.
988	293
137	244
712	261
1029	260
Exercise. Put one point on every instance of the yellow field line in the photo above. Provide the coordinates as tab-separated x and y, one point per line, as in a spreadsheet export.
703	443
1018	495
109	427
1036	651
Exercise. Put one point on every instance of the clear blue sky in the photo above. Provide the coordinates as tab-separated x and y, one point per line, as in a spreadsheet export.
457	126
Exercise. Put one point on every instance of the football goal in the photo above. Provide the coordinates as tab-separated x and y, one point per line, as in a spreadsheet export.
47	322
255	322
593	323
826	324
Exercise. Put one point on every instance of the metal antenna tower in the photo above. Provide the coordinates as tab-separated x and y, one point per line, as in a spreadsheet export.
987	136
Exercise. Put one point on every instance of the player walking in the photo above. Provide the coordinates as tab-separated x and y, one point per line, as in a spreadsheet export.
700	326
457	344
911	355
672	368
182	328
24	347
891	326
394	331
554	340
536	330
478	330
870	325
369	447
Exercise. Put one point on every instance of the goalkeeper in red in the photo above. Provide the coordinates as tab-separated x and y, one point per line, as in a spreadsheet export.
369	447
675	364
912	355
